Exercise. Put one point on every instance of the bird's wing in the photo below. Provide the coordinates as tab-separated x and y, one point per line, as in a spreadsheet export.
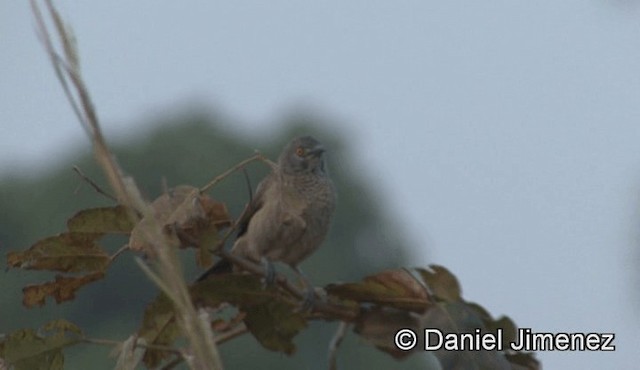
253	205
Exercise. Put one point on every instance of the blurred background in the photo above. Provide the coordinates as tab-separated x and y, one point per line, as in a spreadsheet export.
497	139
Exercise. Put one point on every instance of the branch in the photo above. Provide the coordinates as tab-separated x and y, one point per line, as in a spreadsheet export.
333	310
111	343
335	343
169	273
237	167
122	249
232	333
93	184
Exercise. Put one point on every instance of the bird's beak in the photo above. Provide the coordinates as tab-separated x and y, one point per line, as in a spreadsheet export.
317	151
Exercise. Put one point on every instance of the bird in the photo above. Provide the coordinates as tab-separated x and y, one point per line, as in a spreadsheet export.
290	214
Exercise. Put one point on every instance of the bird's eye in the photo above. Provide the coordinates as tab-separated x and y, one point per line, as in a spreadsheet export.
300	151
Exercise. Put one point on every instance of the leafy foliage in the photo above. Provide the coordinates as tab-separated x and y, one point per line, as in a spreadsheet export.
377	306
195	216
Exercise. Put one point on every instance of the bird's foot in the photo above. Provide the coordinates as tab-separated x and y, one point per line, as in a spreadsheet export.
269	273
308	300
309	293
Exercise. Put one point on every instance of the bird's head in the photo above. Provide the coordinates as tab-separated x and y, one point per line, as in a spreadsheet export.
302	155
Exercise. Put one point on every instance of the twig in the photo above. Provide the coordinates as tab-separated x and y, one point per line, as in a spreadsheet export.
232	333
56	61
221	338
119	252
67	70
95	186
335	343
111	342
248	181
219	245
175	362
238	166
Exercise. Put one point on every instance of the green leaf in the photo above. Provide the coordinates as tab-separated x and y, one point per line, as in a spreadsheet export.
523	361
62	326
275	324
237	289
271	314
25	349
101	220
159	327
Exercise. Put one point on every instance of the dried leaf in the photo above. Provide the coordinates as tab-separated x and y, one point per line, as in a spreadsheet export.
186	211
101	220
62	289
393	288
66	252
442	283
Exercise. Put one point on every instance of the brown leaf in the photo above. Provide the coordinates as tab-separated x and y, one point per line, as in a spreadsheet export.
442	283
185	212
392	288
101	220
62	289
66	252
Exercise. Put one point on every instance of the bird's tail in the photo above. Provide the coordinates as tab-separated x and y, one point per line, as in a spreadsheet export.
221	267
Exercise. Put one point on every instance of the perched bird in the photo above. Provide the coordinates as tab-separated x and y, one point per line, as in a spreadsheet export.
289	216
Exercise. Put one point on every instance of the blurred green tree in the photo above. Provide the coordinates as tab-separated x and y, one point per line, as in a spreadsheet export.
192	149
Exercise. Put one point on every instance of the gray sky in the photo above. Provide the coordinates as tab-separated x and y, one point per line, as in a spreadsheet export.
503	135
